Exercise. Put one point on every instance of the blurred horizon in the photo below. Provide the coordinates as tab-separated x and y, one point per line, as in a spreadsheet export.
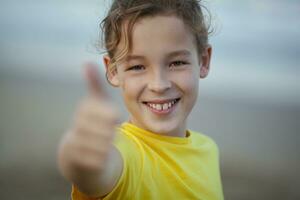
55	38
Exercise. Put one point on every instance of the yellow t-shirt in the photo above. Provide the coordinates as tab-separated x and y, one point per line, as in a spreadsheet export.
162	167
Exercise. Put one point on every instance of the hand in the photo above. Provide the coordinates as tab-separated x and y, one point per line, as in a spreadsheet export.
85	148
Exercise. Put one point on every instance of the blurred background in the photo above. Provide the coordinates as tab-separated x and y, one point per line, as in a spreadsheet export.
249	103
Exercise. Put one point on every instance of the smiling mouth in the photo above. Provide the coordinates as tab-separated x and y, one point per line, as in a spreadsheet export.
162	106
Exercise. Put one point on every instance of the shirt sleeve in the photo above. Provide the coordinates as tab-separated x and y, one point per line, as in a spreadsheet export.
77	195
132	156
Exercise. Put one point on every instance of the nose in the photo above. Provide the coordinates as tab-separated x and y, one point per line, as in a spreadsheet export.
159	82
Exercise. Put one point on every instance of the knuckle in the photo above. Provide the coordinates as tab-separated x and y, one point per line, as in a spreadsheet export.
86	154
114	114
83	105
111	113
86	106
88	160
99	109
87	163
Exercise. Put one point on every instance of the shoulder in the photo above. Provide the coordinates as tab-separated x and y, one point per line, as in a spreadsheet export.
125	141
203	140
128	146
132	157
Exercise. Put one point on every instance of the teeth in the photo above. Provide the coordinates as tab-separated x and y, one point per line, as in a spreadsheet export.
164	106
158	107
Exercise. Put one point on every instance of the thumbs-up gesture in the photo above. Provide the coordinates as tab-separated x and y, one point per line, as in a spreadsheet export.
86	153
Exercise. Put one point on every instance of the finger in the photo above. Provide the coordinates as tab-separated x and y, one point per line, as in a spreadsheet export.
93	80
94	132
98	109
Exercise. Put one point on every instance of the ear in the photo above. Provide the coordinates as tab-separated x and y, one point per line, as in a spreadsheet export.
205	61
111	74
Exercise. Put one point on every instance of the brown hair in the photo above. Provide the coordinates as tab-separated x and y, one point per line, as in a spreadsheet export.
123	14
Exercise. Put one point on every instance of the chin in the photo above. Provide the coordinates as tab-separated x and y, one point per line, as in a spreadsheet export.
163	128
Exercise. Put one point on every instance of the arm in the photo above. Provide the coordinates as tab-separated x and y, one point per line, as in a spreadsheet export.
91	180
86	156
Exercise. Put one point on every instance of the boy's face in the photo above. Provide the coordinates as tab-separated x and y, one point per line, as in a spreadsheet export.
159	77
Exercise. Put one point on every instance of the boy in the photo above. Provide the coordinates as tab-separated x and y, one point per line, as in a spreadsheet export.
157	50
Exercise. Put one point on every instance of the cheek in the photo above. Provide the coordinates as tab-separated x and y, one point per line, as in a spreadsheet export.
129	88
188	83
191	89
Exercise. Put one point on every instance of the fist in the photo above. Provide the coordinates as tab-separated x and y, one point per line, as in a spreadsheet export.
85	147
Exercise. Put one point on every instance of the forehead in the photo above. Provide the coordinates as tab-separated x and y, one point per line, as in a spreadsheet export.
161	34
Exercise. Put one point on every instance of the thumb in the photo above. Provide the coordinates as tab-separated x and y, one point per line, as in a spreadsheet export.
93	80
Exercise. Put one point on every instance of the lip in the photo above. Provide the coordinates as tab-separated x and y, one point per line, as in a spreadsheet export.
162	112
160	101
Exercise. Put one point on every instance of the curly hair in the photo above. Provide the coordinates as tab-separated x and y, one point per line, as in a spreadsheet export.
123	14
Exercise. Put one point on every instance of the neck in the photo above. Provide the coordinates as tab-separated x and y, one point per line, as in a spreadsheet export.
179	131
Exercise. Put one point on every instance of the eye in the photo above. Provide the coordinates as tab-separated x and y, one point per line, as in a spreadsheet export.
135	68
178	63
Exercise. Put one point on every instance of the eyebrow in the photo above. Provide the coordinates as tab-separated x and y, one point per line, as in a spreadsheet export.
169	55
179	53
